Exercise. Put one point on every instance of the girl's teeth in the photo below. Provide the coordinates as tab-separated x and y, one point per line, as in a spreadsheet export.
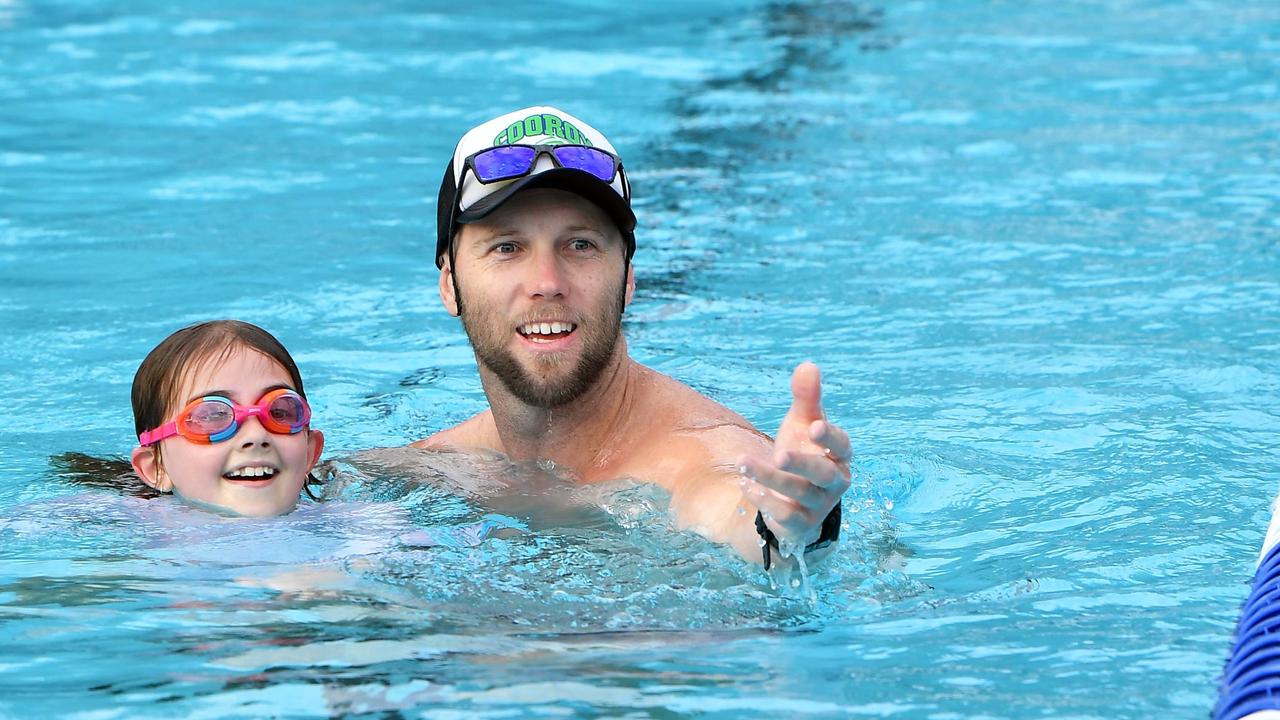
252	472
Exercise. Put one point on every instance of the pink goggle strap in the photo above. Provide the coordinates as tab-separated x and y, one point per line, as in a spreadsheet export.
152	437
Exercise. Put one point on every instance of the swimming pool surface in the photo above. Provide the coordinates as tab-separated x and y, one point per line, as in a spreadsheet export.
1034	246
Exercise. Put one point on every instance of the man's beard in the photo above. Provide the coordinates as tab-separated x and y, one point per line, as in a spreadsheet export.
489	335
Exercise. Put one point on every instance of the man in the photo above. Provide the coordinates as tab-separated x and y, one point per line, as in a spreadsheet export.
535	239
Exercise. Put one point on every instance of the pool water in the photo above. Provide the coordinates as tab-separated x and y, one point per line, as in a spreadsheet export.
1035	248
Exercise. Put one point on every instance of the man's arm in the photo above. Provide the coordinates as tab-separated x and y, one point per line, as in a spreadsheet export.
706	495
794	481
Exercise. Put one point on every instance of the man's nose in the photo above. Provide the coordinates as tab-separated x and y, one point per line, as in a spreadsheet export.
548	275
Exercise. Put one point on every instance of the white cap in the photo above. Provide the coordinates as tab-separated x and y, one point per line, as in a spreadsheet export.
463	198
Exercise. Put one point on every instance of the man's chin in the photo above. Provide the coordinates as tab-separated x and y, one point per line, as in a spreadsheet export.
550	378
544	394
558	364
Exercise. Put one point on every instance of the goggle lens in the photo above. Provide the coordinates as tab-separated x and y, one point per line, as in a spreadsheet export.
286	413
209	417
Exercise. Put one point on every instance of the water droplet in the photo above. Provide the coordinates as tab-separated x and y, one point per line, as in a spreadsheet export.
888	504
743	511
795	582
760	542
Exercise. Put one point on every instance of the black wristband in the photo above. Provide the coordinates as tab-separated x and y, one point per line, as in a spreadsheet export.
830	533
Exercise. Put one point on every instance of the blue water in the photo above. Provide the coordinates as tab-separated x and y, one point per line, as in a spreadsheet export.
1034	247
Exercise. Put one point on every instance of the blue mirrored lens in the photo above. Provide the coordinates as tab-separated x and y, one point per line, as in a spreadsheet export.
594	161
503	163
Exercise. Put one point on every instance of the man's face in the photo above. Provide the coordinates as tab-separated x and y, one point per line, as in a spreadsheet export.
543	289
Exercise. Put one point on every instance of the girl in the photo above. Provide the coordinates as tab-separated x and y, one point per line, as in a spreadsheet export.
222	420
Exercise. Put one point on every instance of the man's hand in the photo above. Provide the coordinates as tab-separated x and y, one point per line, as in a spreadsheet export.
808	471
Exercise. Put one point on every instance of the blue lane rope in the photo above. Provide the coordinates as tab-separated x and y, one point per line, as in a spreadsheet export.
1251	679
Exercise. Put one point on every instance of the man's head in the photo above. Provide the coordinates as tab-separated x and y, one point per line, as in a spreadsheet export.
540	256
515	148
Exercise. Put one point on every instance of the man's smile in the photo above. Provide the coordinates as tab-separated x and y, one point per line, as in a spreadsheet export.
546	332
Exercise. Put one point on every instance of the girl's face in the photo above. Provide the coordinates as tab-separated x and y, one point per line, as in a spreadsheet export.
255	472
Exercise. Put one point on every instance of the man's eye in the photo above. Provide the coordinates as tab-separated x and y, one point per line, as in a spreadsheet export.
505	248
581	244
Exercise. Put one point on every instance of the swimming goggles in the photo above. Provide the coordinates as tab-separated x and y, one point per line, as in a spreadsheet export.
214	418
507	162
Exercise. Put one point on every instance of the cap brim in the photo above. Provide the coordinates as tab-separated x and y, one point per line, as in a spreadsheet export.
577	182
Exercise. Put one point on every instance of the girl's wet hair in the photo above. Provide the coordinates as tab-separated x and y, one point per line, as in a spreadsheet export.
162	372
107	473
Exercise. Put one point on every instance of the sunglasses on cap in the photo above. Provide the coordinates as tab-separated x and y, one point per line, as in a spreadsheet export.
214	418
507	162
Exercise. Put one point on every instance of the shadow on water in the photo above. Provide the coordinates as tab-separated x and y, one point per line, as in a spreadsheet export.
811	35
735	121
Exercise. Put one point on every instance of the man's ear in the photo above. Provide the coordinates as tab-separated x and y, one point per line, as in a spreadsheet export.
315	446
447	296
631	286
146	462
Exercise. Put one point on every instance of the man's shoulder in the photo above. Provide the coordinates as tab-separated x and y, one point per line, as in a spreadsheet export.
681	400
686	411
477	431
692	446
